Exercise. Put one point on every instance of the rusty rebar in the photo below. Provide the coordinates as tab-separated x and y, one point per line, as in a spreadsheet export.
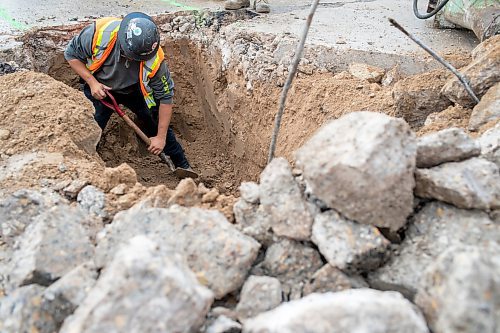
289	80
446	64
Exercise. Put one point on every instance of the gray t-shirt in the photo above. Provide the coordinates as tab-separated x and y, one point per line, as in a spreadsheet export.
117	72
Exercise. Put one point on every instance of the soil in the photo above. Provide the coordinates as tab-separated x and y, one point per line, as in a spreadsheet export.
47	127
223	119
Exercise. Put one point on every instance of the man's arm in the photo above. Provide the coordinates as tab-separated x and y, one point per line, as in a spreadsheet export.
98	89
158	142
77	52
163	91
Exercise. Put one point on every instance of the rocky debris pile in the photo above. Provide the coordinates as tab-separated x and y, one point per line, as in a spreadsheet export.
367	206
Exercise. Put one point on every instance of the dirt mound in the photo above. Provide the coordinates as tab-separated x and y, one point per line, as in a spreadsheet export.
48	132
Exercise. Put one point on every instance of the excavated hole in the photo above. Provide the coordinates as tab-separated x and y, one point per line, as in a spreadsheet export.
204	129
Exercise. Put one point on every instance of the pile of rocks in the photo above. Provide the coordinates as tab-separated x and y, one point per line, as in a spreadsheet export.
372	230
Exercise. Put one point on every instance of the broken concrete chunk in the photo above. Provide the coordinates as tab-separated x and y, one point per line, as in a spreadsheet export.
223	324
145	288
482	73
448	145
291	262
362	166
66	294
253	221
215	250
490	145
71	191
366	72
122	174
92	200
356	310
259	294
487	110
51	246
185	194
392	76
250	192
21	311
281	197
349	245
19	209
460	291
473	183
434	229
416	98
331	279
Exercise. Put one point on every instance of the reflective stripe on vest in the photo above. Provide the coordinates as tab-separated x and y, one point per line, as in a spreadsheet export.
147	71
105	36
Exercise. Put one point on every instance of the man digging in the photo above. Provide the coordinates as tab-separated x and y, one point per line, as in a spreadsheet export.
124	57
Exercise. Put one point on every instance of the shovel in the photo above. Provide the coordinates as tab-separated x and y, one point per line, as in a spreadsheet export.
179	172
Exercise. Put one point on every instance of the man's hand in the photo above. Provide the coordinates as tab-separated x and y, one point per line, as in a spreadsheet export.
157	145
98	90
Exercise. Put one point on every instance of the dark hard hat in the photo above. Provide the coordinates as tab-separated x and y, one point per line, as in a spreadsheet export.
138	36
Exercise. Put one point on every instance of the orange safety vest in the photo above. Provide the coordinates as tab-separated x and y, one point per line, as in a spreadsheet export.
105	35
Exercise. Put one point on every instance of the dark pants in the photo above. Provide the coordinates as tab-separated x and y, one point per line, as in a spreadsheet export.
147	117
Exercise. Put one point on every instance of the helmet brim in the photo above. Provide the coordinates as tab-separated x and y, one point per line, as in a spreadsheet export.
122	39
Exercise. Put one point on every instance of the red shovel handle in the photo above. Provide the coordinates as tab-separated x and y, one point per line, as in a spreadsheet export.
114	105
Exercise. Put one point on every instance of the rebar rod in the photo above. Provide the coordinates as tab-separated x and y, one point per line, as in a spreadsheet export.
446	64
289	80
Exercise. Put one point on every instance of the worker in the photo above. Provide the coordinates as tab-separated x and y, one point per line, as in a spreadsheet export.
124	57
260	6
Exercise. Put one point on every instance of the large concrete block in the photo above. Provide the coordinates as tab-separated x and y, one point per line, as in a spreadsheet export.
362	165
215	250
146	288
434	229
51	246
349	245
22	311
483	72
331	279
448	145
259	294
292	263
349	311
490	145
281	197
487	110
460	291
473	183
61	298
19	209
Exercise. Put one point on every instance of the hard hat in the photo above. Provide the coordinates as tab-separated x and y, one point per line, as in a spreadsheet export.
138	36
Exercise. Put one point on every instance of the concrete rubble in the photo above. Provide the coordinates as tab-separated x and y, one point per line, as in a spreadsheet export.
462	273
349	245
434	229
218	254
380	214
490	145
357	310
41	257
483	73
142	272
259	294
448	145
281	198
487	110
362	164
472	184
